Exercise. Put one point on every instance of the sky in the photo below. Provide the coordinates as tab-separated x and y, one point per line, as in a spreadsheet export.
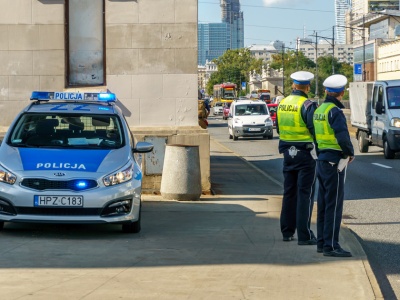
266	21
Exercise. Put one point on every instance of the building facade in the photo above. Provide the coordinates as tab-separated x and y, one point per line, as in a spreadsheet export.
213	40
232	15
144	51
341	8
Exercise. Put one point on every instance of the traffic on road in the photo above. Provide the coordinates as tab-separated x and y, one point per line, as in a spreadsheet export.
371	202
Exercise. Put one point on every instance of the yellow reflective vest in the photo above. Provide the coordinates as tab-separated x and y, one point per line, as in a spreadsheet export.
324	133
291	125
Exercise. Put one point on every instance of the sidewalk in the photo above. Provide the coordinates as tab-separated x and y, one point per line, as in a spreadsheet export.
254	262
226	246
239	249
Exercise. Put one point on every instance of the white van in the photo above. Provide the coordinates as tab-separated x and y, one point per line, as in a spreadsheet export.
248	118
375	112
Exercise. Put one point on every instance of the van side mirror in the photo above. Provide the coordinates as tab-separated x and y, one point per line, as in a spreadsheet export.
379	108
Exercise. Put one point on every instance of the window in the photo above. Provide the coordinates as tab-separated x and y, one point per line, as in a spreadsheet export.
85	43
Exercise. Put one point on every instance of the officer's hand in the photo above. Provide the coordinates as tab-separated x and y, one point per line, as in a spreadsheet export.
313	153
351	158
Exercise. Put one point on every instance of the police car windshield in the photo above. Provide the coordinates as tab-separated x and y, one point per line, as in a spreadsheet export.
65	130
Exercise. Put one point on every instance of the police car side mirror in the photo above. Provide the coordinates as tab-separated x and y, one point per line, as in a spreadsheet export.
143	147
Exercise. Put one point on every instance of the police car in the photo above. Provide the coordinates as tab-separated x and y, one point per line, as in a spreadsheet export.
71	158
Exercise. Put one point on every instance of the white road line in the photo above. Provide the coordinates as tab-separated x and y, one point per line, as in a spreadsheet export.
383	166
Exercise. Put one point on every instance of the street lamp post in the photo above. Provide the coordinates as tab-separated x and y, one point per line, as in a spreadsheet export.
363	38
283	66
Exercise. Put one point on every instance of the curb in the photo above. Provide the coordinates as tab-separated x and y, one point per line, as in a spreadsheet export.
361	253
345	232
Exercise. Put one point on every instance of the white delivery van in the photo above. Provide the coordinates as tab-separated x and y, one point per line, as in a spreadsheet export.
375	112
249	118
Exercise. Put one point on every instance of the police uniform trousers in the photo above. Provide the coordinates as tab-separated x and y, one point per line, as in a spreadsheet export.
330	205
299	174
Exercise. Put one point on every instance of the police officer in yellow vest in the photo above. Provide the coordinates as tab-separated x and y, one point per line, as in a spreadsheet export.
335	150
296	134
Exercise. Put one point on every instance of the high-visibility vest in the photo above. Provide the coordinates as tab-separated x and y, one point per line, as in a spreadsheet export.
291	125
324	133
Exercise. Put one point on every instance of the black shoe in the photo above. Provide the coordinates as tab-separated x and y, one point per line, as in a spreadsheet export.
338	253
309	242
288	238
320	250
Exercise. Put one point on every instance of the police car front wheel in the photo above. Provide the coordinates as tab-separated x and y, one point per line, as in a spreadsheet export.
132	227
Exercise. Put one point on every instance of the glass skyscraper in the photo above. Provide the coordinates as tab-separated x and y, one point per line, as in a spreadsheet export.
231	14
341	7
215	38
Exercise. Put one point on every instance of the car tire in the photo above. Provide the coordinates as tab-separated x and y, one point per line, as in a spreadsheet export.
235	138
132	227
270	137
363	143
1	225
387	152
264	136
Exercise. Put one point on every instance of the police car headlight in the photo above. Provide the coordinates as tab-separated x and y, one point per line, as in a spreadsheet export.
395	122
6	176
119	176
268	122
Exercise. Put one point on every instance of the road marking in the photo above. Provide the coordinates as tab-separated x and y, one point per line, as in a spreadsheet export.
383	166
250	164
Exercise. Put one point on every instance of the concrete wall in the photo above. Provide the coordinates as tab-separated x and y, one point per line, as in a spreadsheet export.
151	63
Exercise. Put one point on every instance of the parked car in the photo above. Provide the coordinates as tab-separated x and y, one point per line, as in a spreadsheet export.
71	158
225	111
217	108
273	109
249	118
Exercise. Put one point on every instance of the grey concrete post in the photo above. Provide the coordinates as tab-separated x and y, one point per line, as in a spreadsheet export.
181	176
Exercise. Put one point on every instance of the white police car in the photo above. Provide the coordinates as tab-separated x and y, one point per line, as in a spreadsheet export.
70	158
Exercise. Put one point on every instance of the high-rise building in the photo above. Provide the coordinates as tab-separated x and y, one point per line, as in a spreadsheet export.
231	14
215	38
341	7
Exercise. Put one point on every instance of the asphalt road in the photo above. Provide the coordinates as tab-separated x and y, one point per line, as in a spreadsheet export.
372	196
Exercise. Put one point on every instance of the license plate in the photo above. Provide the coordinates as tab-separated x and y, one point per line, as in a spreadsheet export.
58	201
254	129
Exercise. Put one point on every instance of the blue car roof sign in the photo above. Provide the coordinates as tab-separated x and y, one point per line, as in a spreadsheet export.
69	96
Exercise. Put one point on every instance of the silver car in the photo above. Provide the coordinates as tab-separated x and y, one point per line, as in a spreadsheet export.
71	158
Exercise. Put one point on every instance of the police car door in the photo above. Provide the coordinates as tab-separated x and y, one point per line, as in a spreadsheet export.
378	120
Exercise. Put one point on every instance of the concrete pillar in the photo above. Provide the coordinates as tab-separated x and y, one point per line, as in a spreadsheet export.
181	176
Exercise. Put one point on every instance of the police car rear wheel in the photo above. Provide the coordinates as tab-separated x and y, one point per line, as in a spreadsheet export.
1	225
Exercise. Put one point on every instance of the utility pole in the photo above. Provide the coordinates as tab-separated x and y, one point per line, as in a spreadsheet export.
316	65
363	37
333	50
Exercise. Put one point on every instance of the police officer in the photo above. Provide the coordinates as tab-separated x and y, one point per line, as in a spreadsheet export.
296	134
335	150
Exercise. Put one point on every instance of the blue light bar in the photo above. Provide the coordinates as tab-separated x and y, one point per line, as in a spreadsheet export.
68	96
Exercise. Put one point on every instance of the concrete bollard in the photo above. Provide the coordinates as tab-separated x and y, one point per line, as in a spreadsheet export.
181	176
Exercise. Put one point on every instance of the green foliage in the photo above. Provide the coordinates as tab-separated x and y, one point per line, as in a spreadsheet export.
234	66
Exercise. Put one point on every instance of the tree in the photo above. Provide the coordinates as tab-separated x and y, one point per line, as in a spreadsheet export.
234	66
292	61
